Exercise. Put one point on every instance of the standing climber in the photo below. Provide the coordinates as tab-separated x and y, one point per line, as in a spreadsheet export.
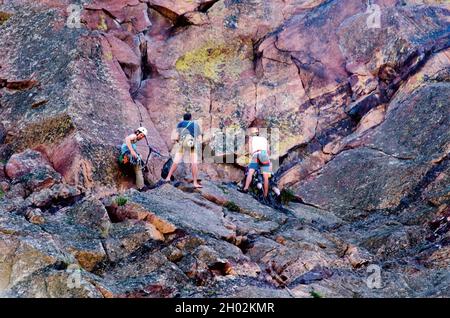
129	155
259	151
187	137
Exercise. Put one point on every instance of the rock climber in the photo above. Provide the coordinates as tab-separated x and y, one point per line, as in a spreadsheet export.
186	138
129	155
260	159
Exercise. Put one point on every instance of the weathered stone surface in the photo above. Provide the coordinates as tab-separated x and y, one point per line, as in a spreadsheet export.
438	192
415	125
246	205
21	164
362	116
360	179
135	211
394	158
25	249
35	216
192	216
304	168
2	173
50	283
71	62
313	215
125	237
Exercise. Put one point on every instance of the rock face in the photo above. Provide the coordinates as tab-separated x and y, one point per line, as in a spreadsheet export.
356	106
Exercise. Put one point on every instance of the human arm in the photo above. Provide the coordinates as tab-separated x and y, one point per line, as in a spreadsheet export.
128	142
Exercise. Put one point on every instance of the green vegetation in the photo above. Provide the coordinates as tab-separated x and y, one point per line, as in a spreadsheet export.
102	26
121	201
46	131
214	60
230	205
287	195
4	17
223	188
1	194
315	294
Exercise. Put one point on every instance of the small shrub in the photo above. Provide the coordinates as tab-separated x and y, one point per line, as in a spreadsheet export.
121	201
224	189
230	205
1	194
287	196
315	294
4	17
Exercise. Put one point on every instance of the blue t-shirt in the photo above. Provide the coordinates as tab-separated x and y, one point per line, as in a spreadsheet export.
192	128
125	149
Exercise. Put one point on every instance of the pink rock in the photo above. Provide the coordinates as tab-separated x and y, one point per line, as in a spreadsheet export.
129	15
98	20
4	186
372	118
2	172
138	17
111	5
178	7
122	51
197	18
22	163
303	169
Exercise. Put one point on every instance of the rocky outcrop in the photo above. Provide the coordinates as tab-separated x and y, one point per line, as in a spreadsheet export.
65	117
212	242
360	110
389	162
258	64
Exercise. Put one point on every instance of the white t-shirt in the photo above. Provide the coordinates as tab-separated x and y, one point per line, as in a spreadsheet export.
258	143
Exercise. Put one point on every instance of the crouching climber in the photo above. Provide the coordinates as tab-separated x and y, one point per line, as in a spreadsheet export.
260	159
130	156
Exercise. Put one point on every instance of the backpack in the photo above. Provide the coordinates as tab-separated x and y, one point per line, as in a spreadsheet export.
263	158
166	168
187	140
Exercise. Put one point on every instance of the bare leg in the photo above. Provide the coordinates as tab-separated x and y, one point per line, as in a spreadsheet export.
176	161
139	177
249	178
194	167
266	184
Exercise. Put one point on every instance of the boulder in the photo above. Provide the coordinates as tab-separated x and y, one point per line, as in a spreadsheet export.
79	229
2	173
53	283
192	217
24	163
128	236
232	199
392	160
66	127
135	211
35	216
25	249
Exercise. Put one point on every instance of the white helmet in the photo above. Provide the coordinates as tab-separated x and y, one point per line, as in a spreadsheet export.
142	130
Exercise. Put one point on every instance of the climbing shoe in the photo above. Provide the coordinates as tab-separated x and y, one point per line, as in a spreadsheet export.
144	189
242	190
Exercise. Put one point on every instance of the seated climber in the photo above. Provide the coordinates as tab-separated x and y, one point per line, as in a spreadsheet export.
259	151
129	155
186	138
